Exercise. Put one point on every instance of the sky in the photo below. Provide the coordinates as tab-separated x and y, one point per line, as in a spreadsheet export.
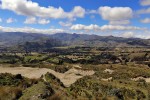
122	18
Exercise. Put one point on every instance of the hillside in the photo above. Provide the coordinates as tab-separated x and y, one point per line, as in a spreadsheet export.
95	40
16	38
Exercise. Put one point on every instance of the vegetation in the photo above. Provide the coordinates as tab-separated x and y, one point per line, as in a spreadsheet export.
38	91
116	73
12	86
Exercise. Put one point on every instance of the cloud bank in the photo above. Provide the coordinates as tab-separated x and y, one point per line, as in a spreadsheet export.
104	27
31	30
29	8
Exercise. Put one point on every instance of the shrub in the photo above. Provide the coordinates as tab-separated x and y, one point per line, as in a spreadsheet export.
10	93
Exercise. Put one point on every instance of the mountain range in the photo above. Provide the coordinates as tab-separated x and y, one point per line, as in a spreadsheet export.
8	39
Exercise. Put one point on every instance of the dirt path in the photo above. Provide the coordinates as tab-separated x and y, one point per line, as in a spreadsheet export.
138	78
66	78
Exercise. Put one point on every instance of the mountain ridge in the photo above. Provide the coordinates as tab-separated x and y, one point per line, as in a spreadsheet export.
8	39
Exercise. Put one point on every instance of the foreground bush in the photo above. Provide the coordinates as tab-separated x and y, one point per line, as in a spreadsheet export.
10	93
38	91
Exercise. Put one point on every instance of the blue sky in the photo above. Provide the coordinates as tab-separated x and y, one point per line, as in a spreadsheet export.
126	18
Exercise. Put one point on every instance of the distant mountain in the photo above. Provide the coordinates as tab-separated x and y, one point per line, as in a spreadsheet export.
8	39
95	40
14	38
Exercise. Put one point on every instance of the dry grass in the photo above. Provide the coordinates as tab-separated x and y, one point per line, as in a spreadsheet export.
56	96
10	93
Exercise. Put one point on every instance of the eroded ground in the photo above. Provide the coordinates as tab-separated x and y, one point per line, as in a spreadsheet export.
67	78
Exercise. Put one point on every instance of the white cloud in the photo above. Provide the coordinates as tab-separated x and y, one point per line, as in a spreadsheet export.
122	22
33	20
84	27
115	13
119	27
29	8
30	20
66	24
43	21
146	20
10	20
104	27
128	35
143	36
31	30
145	2
77	12
1	20
144	11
